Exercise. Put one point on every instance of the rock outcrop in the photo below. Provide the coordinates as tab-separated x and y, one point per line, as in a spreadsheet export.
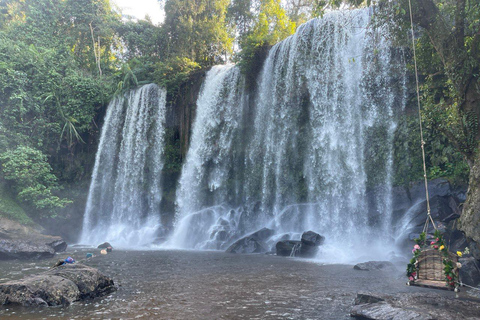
413	306
307	247
104	245
253	243
287	248
20	242
59	286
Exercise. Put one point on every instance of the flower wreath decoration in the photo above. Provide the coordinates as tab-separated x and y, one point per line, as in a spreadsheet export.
437	243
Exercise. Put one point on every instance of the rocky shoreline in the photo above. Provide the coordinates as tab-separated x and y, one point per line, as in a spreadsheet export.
413	306
21	242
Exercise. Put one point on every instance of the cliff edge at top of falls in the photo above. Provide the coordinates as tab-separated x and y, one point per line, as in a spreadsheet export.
21	242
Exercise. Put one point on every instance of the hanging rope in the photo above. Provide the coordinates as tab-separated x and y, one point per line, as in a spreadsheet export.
429	216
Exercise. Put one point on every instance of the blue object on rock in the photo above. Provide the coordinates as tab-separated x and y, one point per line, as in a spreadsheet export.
89	255
69	260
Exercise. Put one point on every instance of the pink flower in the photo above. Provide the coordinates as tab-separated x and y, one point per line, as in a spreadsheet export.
416	247
437	239
436	247
432	243
411	278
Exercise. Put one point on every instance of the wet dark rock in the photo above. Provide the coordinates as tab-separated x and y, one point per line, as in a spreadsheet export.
247	245
412	306
456	240
375	265
104	245
313	239
307	247
18	249
58	245
310	243
263	234
363	298
284	248
470	271
59	286
253	243
21	242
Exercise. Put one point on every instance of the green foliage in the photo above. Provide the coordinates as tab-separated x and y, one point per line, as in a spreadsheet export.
172	153
10	209
443	160
240	16
197	30
172	73
271	26
32	178
45	99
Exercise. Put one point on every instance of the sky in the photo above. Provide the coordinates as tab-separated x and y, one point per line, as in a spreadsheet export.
140	8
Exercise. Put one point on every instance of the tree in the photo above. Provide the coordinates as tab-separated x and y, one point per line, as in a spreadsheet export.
271	26
196	29
241	16
300	11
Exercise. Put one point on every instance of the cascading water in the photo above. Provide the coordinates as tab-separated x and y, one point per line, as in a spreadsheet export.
312	150
123	205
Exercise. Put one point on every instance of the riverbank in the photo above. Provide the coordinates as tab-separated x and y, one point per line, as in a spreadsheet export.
215	285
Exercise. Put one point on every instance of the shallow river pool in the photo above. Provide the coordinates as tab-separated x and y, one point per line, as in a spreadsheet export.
212	285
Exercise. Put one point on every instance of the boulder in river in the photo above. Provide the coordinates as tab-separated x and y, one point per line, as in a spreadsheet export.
59	286
375	266
310	243
307	247
247	245
285	247
263	234
104	245
313	239
253	243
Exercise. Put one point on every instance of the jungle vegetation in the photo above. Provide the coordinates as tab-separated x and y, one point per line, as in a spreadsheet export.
61	61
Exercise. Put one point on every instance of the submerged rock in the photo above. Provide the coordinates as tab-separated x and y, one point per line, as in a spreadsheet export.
375	265
412	306
59	286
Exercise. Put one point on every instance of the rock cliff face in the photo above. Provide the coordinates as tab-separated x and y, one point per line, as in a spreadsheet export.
181	107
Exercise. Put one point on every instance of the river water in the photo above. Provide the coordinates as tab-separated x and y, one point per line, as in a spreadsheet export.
212	285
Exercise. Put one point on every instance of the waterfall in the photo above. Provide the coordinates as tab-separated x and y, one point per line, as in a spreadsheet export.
123	205
210	172
310	149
